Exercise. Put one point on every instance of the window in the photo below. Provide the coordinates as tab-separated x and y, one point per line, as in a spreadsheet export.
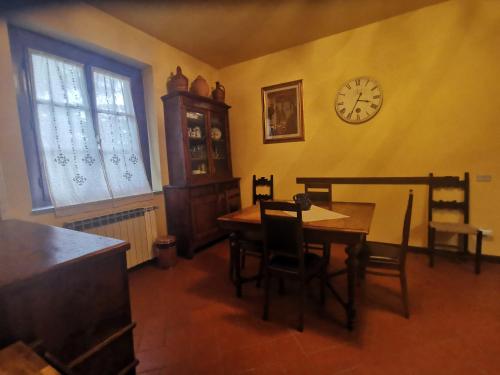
83	123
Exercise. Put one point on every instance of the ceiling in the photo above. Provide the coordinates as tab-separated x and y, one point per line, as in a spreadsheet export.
225	32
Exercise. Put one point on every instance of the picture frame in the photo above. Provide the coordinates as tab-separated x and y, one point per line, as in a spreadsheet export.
282	112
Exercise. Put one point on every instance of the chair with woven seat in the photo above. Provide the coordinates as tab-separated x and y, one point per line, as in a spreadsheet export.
462	229
284	255
391	259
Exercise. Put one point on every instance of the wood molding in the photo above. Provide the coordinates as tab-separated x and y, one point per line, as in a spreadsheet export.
378	180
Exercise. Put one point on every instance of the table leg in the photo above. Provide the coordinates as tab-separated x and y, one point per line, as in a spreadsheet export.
234	248
231	263
351	263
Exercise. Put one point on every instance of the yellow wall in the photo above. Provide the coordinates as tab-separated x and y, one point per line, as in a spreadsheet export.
86	26
439	69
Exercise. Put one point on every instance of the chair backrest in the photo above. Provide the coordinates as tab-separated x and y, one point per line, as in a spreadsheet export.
318	192
436	183
282	233
406	229
262	181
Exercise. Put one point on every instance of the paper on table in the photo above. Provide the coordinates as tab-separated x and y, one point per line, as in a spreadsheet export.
316	213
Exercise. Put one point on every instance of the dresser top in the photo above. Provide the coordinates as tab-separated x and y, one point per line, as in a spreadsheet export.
29	249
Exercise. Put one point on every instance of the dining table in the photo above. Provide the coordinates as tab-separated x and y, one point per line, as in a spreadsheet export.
350	229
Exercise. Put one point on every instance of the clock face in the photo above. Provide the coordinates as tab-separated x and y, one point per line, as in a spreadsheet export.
358	100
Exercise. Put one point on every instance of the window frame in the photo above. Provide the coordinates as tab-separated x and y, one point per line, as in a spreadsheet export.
21	41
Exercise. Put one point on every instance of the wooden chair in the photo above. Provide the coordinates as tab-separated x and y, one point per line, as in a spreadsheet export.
320	194
262	181
463	229
284	255
390	258
250	246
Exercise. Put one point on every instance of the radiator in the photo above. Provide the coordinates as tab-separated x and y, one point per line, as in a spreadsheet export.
137	226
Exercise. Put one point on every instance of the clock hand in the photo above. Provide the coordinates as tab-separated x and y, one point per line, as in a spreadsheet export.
362	100
355	104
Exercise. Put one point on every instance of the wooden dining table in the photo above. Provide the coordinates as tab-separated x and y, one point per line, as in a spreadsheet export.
350	230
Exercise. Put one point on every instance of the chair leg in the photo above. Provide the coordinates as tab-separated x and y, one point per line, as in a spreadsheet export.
432	235
267	286
479	241
231	268
326	251
235	269
404	294
302	297
243	259
281	289
323	281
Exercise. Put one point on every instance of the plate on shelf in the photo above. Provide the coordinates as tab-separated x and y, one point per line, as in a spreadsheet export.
216	134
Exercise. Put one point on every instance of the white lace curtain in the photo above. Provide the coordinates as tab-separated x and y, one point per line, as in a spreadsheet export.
77	167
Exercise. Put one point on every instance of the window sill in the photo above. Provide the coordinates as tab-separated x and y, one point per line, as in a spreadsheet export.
94	206
42	210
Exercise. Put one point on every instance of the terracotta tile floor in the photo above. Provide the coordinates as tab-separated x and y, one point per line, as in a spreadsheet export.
190	322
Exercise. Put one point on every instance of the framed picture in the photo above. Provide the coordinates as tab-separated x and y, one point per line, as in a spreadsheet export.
282	116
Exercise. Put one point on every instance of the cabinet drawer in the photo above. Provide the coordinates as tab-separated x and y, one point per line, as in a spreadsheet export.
230	185
202	191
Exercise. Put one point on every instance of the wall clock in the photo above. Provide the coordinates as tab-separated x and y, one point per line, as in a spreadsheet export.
358	100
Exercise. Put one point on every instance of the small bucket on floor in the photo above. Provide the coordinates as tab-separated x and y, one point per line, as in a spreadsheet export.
166	251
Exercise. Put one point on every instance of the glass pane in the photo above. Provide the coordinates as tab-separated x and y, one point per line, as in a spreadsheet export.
120	141
197	142
113	93
219	143
66	137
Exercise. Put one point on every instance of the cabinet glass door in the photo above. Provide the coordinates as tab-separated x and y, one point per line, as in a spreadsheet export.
219	143
197	137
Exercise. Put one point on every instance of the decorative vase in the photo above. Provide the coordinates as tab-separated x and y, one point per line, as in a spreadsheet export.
177	82
219	93
200	87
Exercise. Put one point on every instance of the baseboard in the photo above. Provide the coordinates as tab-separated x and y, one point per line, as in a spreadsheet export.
139	266
446	253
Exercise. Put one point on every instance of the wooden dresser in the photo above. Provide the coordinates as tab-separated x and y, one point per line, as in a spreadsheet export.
69	290
202	186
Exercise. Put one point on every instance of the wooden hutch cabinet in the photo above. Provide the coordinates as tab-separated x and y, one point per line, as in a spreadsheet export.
202	186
